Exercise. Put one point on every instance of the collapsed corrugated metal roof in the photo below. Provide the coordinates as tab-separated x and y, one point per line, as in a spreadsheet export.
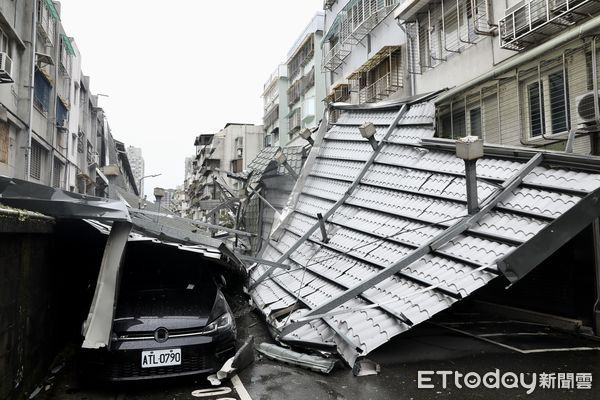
59	203
265	162
273	183
400	245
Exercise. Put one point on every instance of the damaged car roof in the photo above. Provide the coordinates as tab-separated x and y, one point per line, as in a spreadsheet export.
400	245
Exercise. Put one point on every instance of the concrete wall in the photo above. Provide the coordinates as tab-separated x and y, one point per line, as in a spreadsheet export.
27	336
44	294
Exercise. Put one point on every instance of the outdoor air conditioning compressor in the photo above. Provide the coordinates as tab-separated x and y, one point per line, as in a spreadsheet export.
586	108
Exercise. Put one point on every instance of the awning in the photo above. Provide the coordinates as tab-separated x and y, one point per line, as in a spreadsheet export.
67	43
333	29
52	9
372	62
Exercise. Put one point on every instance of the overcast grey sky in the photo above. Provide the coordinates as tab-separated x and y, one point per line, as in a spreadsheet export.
175	69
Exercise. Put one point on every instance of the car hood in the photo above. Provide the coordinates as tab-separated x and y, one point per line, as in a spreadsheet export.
172	309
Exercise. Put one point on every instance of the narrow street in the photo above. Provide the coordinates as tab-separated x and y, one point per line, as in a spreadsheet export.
429	348
315	199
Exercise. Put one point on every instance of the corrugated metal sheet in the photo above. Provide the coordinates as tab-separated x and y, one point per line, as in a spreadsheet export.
408	196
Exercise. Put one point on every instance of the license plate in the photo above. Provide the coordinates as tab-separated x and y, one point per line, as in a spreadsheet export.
161	358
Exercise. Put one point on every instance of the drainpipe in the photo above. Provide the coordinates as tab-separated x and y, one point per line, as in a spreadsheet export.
52	121
409	44
31	90
571	34
596	309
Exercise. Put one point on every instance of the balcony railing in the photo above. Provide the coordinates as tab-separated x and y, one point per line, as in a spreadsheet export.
529	23
358	19
380	89
295	121
46	22
271	116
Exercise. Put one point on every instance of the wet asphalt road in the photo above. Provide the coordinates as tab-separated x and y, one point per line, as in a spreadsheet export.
428	347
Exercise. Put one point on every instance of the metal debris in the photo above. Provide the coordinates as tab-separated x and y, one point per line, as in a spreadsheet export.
314	363
365	367
242	358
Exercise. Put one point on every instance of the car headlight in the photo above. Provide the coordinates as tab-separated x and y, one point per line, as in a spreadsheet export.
218	325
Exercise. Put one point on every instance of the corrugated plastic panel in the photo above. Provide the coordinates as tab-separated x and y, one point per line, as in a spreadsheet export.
408	197
410	135
348	132
336	169
563	179
360	117
325	188
344	150
423	113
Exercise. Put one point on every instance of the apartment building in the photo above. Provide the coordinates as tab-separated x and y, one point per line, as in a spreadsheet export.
275	107
228	151
295	92
521	73
364	52
137	165
52	130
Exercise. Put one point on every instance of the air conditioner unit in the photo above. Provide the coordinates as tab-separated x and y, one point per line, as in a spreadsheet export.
5	68
586	114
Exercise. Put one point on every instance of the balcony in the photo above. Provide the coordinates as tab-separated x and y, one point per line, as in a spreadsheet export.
339	93
66	54
379	77
294	92
271	116
46	21
352	25
295	121
380	89
529	23
302	57
307	81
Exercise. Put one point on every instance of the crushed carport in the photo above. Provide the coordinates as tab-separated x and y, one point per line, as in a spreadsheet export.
124	228
397	244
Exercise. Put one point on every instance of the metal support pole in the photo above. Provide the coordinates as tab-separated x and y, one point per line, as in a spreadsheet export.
289	168
596	310
158	214
471	182
595	91
323	229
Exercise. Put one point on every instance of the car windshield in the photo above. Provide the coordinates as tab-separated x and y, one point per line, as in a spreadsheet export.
164	277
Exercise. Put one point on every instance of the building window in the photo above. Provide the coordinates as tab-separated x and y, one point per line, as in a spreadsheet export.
475	122
57	173
4	142
62	114
535	93
559	99
548	101
38	154
42	88
4	43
